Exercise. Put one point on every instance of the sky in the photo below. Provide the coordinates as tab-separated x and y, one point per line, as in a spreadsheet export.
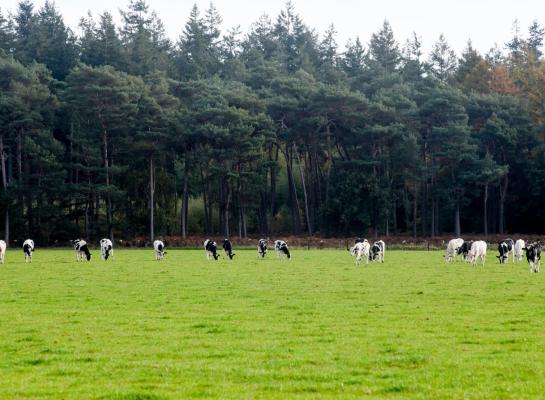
486	22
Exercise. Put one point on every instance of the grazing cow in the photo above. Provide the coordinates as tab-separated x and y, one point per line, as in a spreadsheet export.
211	249
452	249
533	255
519	249
28	249
361	249
281	247
159	248
378	250
478	250
2	251
262	248
228	248
82	250
106	248
464	250
505	248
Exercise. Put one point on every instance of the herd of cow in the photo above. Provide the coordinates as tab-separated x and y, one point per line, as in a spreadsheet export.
468	251
83	253
471	251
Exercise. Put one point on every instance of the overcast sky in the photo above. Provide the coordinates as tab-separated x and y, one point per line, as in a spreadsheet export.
486	22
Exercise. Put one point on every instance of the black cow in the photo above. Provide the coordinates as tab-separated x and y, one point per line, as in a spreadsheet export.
228	248
262	247
464	249
533	255
211	249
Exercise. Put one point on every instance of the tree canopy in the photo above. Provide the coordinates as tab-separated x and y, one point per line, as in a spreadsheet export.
120	131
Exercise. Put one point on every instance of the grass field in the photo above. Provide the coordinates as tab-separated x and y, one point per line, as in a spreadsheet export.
313	327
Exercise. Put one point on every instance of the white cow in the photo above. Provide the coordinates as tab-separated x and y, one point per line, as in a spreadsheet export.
28	249
159	248
361	249
452	249
2	251
519	249
106	248
478	250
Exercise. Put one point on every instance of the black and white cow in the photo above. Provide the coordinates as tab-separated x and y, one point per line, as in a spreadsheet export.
228	248
464	249
211	249
262	247
281	247
533	255
505	248
28	249
106	248
82	250
377	251
3	247
159	248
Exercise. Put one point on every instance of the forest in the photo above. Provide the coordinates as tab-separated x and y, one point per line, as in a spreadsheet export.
120	131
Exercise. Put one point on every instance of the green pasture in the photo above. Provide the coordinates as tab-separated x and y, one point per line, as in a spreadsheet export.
313	327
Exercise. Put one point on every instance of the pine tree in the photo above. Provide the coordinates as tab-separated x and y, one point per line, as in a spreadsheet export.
442	60
384	50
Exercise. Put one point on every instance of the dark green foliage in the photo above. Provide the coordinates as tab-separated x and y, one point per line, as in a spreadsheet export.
120	132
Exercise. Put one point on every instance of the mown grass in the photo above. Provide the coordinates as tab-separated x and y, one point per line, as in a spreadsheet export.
313	327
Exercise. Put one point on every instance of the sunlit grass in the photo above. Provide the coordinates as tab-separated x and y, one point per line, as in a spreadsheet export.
312	327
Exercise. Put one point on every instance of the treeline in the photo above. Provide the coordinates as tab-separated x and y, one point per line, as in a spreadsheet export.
119	130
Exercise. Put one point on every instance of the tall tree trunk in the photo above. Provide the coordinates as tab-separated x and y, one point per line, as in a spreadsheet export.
415	210
485	209
108	196
5	187
457	226
292	194
226	210
437	220
272	195
503	194
263	220
423	213
244	224
207	216
152	199
19	160
307	215
28	200
185	204
432	222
